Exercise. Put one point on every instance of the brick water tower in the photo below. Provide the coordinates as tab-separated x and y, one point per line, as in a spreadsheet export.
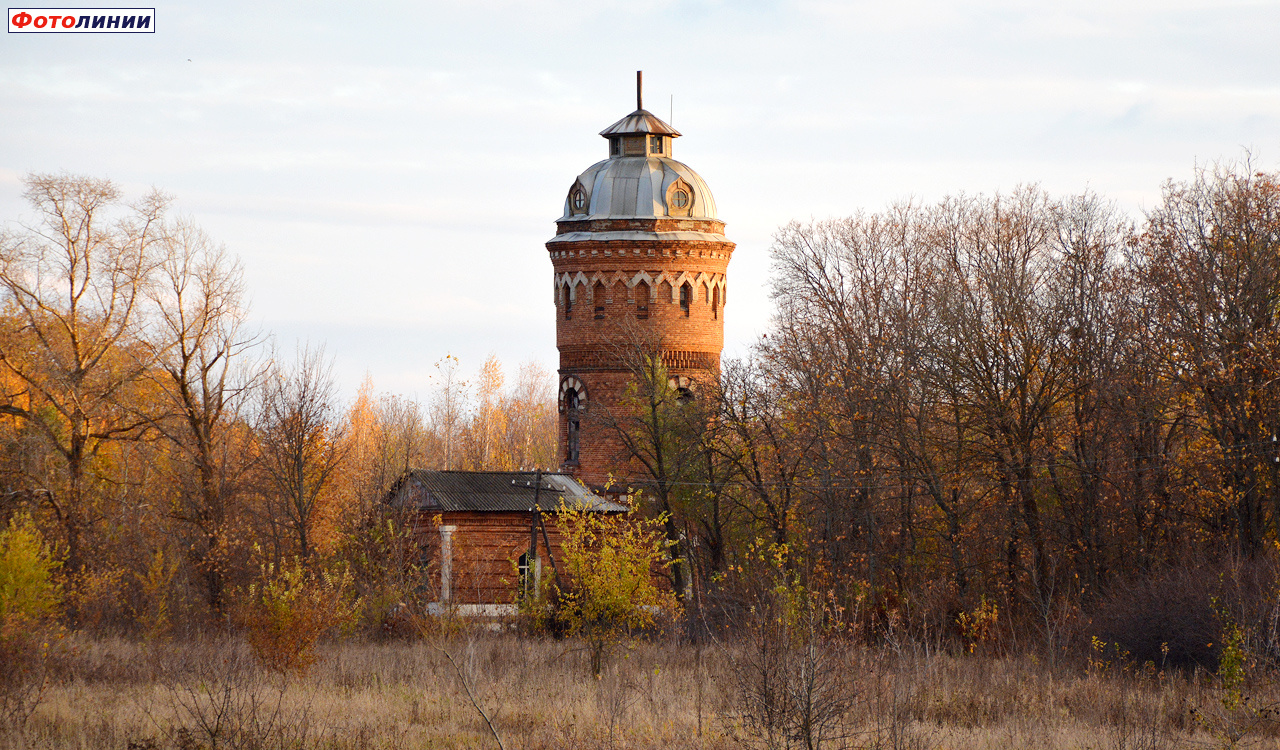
638	254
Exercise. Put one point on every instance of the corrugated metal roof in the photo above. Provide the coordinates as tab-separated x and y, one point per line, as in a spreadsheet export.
640	121
491	491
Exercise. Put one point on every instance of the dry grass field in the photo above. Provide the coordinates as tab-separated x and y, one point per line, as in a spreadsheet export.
539	694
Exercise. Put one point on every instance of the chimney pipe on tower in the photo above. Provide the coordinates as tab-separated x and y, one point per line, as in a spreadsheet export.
639	89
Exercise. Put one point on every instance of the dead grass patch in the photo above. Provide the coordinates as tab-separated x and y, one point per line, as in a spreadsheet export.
539	693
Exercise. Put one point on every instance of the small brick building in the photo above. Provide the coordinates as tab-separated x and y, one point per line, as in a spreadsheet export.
475	528
638	248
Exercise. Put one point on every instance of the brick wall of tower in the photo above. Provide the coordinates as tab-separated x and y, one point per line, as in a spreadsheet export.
591	340
602	455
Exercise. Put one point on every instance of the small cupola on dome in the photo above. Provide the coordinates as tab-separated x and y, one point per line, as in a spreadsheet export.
640	179
640	133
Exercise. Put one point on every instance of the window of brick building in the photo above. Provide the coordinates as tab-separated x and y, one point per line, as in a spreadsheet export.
526	575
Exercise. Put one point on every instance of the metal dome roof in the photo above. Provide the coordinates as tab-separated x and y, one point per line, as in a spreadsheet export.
629	187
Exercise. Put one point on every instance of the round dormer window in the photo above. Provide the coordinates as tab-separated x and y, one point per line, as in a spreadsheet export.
679	198
577	200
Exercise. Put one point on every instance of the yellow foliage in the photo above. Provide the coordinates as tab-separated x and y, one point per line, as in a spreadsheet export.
29	594
156	586
979	626
610	587
30	597
288	609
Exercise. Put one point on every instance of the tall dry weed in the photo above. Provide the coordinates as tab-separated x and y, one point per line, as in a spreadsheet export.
225	699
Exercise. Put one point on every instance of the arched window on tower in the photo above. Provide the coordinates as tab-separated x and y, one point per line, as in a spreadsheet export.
642	300
686	298
715	303
574	418
597	299
683	388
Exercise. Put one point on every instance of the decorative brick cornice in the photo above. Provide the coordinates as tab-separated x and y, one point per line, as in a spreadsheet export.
631	279
583	358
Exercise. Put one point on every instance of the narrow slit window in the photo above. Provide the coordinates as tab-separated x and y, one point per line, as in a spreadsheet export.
642	301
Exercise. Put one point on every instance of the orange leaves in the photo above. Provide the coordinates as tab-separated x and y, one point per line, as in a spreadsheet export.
288	609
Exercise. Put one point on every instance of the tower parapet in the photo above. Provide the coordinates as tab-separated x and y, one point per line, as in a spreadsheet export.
639	247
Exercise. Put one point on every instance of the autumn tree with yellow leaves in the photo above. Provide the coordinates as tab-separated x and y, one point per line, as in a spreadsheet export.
71	342
606	583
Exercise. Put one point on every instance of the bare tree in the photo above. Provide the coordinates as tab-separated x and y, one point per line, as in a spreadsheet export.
1211	255
1090	236
765	439
448	410
794	682
300	439
1000	342
531	418
851	306
203	374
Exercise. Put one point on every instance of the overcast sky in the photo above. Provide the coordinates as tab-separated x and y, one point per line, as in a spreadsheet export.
388	173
